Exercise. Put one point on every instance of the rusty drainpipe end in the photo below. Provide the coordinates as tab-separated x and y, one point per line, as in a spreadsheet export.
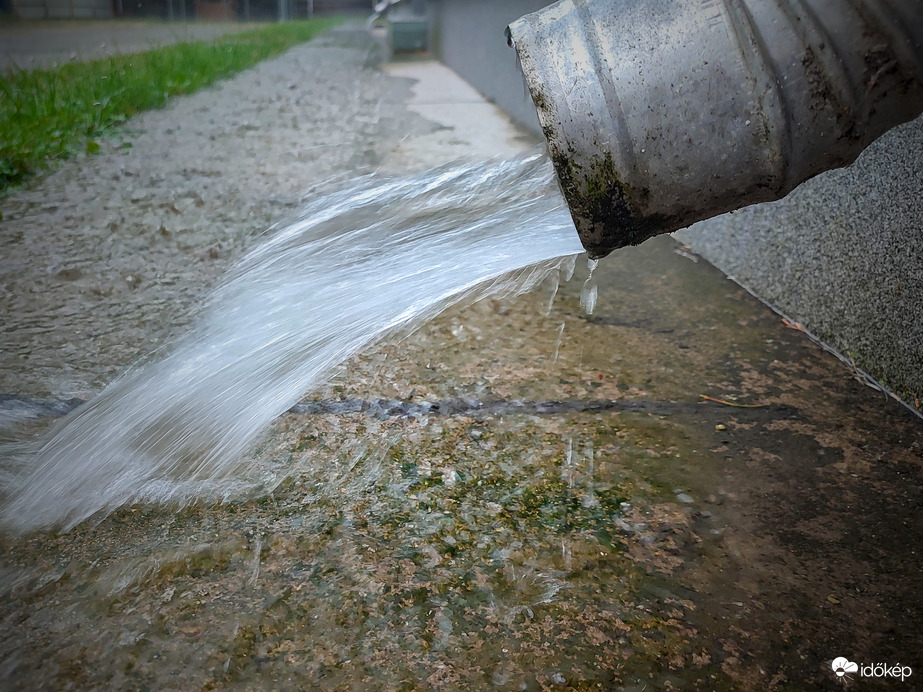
659	113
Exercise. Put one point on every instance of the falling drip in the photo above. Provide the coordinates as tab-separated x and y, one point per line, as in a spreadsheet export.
554	283
589	499
255	561
568	267
567	471
557	343
589	292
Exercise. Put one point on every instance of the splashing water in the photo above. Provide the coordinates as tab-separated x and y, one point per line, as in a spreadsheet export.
357	265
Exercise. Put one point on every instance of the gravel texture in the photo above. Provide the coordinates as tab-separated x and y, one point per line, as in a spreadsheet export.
103	258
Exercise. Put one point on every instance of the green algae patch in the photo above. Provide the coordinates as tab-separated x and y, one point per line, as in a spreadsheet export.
606	211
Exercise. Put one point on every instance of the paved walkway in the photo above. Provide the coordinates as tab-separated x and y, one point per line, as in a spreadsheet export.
29	44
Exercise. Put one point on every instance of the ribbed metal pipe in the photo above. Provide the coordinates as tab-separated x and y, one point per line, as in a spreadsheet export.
660	113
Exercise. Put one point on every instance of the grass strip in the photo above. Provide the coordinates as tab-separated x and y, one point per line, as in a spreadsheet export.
50	114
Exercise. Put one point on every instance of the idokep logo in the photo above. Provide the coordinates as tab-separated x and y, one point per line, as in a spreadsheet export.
843	667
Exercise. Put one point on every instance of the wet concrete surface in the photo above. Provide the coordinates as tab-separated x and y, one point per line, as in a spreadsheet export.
41	44
666	541
512	497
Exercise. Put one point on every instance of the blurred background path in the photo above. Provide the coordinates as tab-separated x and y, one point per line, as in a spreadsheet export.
45	43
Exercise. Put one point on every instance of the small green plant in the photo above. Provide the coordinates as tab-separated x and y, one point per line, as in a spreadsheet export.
47	115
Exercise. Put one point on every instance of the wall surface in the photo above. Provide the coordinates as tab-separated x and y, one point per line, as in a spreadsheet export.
842	255
469	36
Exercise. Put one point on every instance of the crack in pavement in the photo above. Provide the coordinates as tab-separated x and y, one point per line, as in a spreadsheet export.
31	407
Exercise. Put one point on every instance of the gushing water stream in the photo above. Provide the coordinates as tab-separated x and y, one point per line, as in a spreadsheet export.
590	524
377	259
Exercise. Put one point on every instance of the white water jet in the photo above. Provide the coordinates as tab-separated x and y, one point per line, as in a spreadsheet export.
371	261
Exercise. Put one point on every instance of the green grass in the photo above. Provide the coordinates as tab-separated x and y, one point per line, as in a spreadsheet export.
47	115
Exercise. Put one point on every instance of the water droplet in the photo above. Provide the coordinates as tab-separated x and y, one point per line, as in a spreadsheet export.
557	343
588	296
554	283
568	267
567	469
590	290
